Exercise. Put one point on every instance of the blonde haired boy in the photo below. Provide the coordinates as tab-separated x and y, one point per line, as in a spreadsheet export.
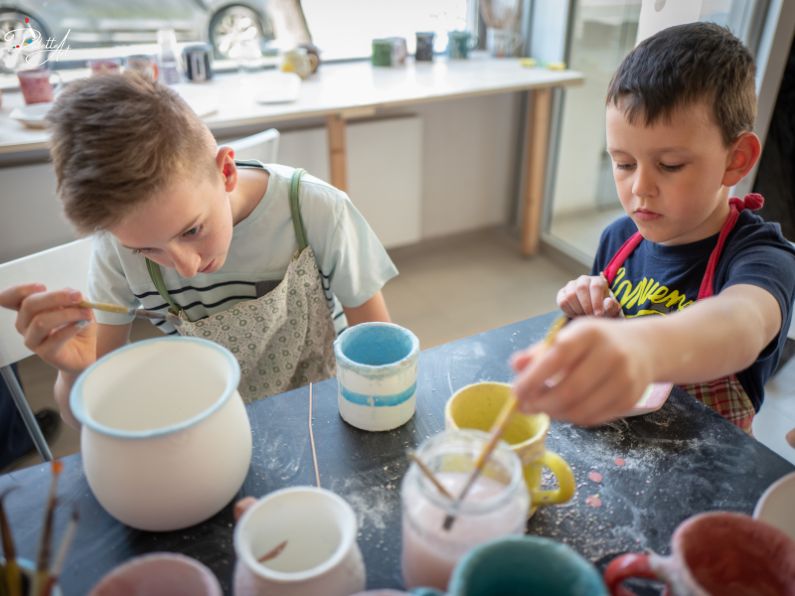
256	257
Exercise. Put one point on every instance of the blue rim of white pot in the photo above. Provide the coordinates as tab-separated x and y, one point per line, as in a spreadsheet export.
79	411
352	364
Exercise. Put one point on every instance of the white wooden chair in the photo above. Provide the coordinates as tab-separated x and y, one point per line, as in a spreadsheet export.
64	266
263	146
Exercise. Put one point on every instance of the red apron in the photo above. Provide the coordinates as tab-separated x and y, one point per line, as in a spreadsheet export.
725	395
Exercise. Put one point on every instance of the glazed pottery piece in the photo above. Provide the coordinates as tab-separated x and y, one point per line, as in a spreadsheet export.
522	565
715	553
159	574
165	438
377	375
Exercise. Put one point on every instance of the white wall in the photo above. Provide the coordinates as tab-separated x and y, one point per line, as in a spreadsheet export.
30	216
384	171
468	169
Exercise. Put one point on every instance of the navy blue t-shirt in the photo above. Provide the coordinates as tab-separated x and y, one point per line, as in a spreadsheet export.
657	280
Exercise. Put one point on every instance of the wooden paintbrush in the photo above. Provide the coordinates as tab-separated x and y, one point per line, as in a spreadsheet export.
428	473
140	313
13	576
43	560
496	431
60	556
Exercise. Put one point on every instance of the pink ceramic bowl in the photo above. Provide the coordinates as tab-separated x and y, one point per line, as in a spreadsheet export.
159	574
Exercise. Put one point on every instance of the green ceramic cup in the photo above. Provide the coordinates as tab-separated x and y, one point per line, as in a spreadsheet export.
459	43
382	52
516	565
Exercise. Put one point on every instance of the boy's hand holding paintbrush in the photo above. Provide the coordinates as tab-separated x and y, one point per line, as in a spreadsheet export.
55	325
595	372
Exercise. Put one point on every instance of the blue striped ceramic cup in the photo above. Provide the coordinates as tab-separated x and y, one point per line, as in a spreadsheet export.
377	375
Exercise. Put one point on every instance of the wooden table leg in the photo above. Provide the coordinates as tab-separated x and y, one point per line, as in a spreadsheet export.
335	125
536	142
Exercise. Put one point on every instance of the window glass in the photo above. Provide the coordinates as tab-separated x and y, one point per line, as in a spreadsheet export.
68	32
346	28
602	33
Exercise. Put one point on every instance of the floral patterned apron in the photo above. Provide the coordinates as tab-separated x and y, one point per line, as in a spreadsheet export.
283	339
725	395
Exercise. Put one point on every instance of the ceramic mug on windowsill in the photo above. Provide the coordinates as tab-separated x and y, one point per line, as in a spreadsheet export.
459	43
299	61
36	85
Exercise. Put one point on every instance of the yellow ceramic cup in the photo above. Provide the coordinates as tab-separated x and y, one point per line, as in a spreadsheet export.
477	406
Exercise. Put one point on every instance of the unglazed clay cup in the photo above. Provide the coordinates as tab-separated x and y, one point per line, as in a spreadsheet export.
159	574
377	375
313	531
715	553
478	405
165	438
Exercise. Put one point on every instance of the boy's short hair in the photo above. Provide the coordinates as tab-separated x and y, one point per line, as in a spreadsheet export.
117	140
683	65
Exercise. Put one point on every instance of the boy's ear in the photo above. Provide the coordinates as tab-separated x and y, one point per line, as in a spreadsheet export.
744	154
225	161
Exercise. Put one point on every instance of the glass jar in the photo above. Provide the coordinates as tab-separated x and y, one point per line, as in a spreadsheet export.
495	506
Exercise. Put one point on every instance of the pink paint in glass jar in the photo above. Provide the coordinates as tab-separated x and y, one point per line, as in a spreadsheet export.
495	506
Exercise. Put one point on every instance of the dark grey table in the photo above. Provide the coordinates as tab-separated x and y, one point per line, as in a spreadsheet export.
657	470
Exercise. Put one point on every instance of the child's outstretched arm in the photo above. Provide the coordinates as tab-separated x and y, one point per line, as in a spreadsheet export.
372	310
597	369
587	295
61	333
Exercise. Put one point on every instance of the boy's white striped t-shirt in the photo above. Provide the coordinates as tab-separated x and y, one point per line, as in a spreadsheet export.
353	263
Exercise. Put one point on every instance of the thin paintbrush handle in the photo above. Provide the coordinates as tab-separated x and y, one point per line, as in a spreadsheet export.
103	306
123	310
430	475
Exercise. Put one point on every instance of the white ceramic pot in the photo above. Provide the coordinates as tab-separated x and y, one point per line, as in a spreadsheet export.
319	555
165	438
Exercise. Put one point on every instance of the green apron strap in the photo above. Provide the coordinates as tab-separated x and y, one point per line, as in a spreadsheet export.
295	211
157	278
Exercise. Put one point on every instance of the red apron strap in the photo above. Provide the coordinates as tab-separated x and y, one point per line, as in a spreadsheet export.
751	201
618	259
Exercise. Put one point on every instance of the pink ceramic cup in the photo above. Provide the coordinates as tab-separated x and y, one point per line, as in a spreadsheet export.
159	574
36	86
715	553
